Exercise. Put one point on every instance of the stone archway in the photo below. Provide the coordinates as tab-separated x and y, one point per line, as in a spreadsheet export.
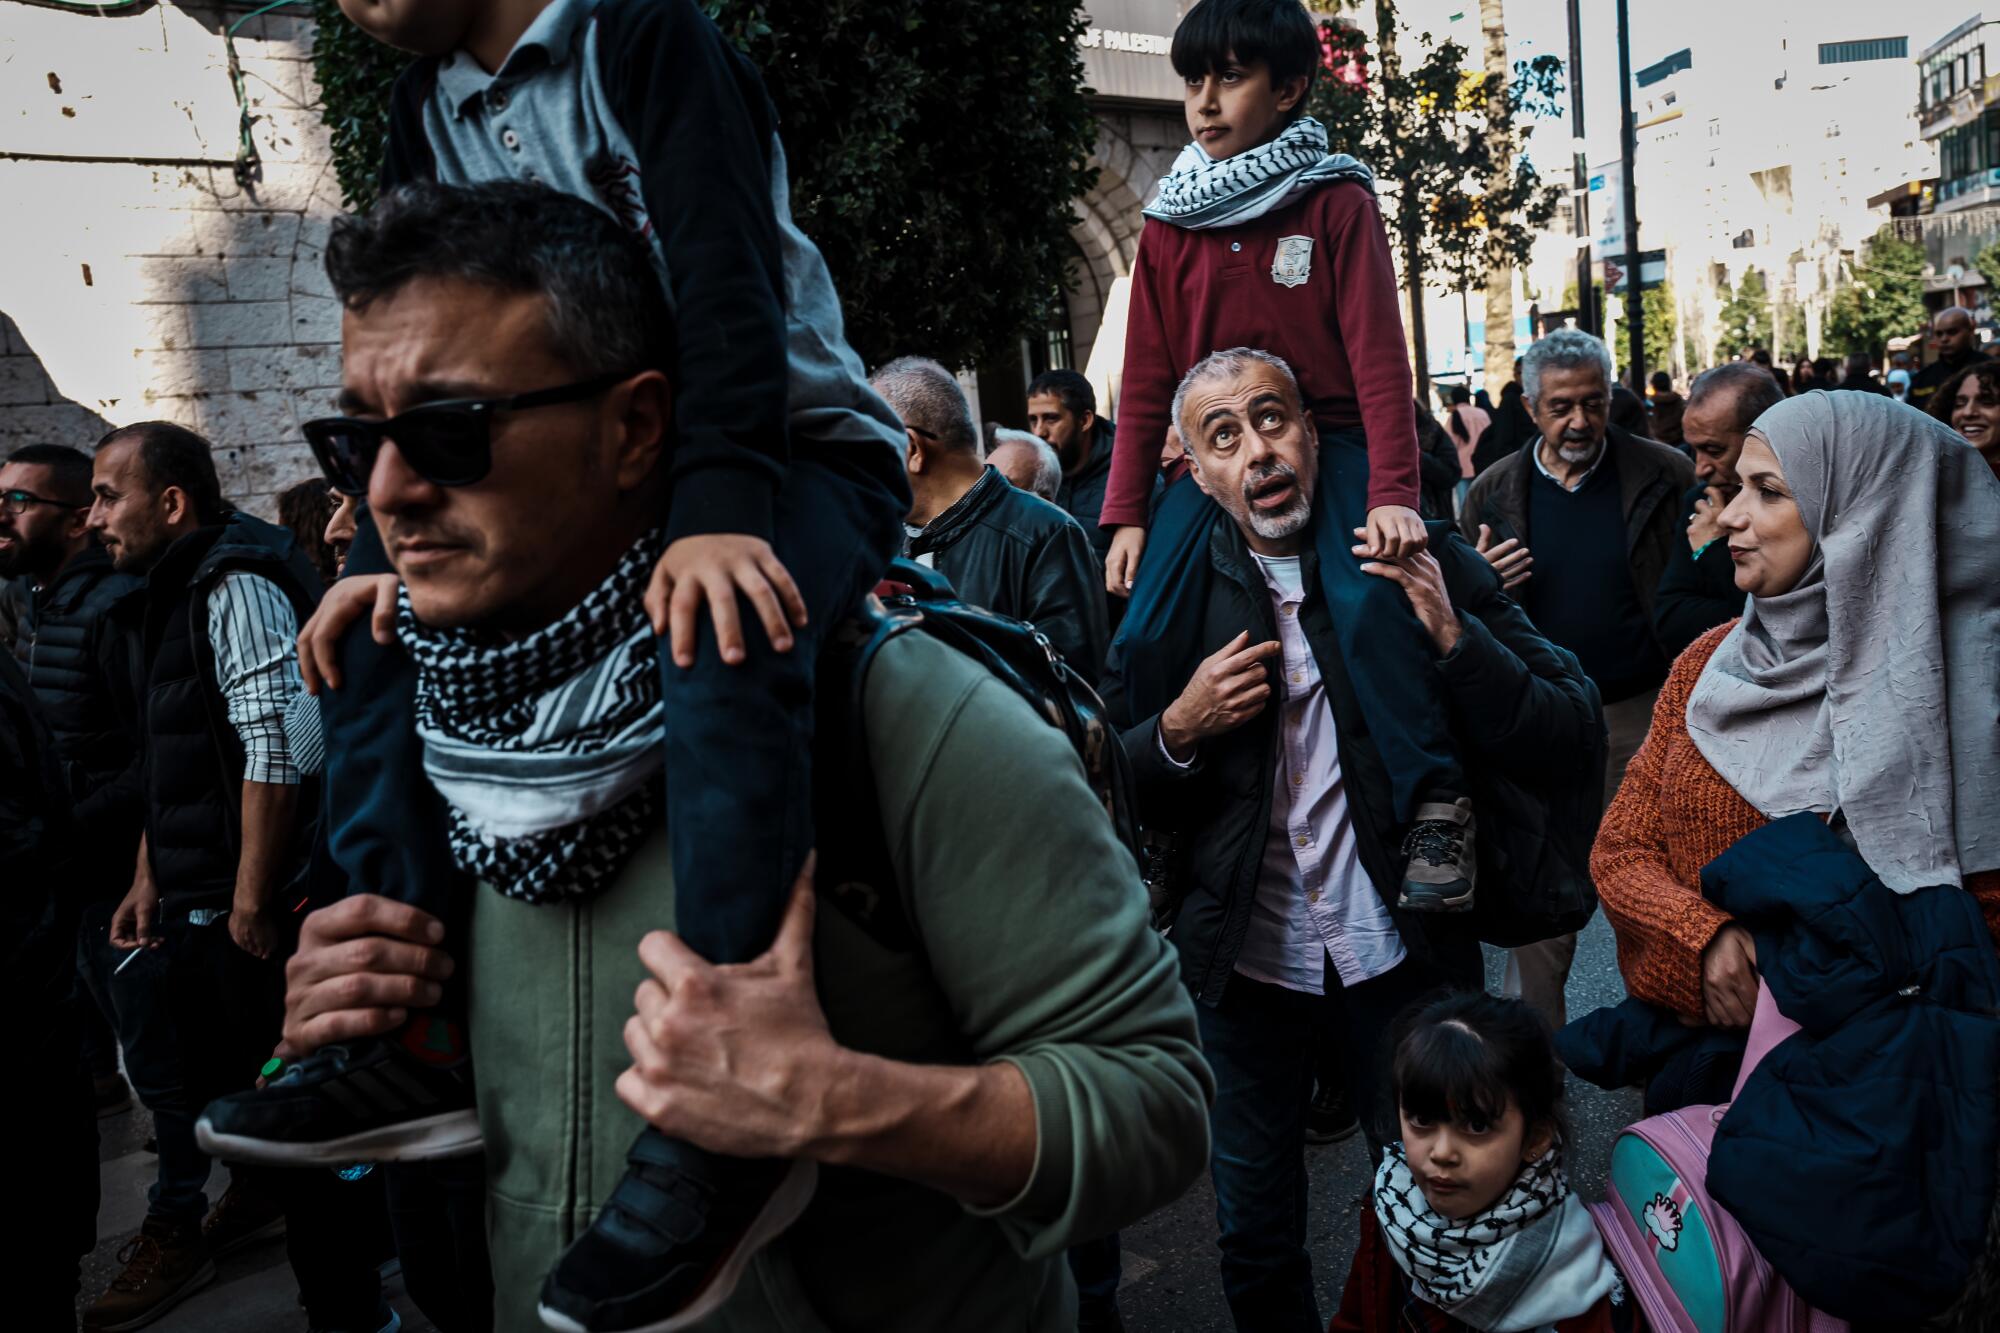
1132	151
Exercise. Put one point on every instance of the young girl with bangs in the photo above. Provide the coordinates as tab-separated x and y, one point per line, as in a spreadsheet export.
1473	1225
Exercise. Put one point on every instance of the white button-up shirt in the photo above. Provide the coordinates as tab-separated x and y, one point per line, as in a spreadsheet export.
1314	901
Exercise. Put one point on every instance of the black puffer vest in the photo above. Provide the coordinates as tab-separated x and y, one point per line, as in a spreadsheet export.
60	630
194	759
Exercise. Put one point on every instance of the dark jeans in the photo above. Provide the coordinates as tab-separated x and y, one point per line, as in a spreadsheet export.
1388	655
437	1211
1264	1043
226	1009
739	738
138	998
55	1172
1098	1267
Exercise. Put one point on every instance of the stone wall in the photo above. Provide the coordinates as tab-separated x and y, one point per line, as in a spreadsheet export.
138	278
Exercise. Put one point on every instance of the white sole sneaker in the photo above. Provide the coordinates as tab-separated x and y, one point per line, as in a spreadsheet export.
787	1201
447	1134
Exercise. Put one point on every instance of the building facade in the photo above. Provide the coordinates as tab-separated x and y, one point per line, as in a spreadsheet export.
1955	213
145	275
1767	143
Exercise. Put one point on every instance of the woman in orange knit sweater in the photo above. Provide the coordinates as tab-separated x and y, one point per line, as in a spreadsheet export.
1863	678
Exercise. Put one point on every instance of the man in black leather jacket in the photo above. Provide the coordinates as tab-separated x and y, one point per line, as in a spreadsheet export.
1002	548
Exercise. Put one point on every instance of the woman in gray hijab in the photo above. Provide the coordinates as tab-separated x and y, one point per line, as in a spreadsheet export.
1863	681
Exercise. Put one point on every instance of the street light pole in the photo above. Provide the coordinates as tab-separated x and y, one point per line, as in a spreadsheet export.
1586	306
1628	146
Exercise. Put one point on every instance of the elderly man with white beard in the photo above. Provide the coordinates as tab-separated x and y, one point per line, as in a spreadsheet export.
1250	746
1600	509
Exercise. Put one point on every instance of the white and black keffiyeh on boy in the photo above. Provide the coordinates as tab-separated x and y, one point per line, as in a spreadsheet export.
1201	192
1532	1258
548	748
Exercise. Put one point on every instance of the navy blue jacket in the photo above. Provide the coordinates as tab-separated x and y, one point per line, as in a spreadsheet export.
1860	1157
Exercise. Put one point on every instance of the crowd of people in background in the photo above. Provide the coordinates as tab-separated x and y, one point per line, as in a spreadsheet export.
742	845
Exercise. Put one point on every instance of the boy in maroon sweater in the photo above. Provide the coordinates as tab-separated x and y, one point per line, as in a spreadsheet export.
1261	238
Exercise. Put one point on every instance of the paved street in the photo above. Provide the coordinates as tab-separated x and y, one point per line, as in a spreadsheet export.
1170	1267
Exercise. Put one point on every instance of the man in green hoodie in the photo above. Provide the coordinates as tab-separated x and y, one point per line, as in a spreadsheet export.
1024	1077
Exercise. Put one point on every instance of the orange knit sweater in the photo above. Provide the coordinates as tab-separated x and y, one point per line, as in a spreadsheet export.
1673	814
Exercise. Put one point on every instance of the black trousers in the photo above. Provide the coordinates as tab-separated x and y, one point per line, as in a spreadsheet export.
227	1009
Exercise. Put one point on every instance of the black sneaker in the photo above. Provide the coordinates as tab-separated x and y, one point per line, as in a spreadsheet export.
1440	874
1331	1116
668	1247
374	1101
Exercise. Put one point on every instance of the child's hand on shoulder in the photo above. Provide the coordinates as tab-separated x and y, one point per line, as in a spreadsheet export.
1393	532
718	567
349	599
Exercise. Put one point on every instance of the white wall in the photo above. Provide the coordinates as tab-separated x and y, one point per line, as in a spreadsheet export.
138	280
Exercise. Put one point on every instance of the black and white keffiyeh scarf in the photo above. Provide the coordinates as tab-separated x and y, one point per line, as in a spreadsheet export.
1530	1259
548	749
1201	192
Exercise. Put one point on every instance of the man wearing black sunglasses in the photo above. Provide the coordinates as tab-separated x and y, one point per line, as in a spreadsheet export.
984	1093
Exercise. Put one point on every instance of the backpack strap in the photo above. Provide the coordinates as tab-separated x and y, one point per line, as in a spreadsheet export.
855	871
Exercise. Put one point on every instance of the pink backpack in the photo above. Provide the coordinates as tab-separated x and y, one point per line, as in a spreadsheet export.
1685	1261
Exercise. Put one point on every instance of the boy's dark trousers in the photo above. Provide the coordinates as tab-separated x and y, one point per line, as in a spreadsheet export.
739	738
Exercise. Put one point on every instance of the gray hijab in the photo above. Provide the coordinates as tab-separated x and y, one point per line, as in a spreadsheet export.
1873	687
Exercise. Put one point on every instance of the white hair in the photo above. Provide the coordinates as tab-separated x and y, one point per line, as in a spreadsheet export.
1232	362
1046	479
1565	349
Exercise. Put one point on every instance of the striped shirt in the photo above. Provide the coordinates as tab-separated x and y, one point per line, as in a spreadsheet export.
254	634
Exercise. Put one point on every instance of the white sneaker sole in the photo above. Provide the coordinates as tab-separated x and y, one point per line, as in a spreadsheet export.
794	1192
448	1134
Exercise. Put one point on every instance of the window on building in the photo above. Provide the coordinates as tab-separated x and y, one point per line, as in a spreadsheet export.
1874	48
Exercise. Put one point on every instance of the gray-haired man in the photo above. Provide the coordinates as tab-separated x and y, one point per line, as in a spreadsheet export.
1600	508
1002	548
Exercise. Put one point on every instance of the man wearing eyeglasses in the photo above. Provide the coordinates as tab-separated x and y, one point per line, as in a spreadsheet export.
1600	509
61	588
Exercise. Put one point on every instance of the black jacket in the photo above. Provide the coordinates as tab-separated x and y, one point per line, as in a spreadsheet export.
62	642
1511	428
37	917
1927	381
1019	555
1438	470
194	760
1504	711
1081	494
1651	479
1694	595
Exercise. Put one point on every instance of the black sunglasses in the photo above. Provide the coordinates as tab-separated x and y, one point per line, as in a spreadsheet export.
448	443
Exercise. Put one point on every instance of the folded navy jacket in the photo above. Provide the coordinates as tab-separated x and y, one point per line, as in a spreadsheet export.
1861	1155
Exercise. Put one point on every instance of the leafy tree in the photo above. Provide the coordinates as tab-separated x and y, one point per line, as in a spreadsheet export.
1465	197
1746	314
1987	261
1661	312
941	199
1880	296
